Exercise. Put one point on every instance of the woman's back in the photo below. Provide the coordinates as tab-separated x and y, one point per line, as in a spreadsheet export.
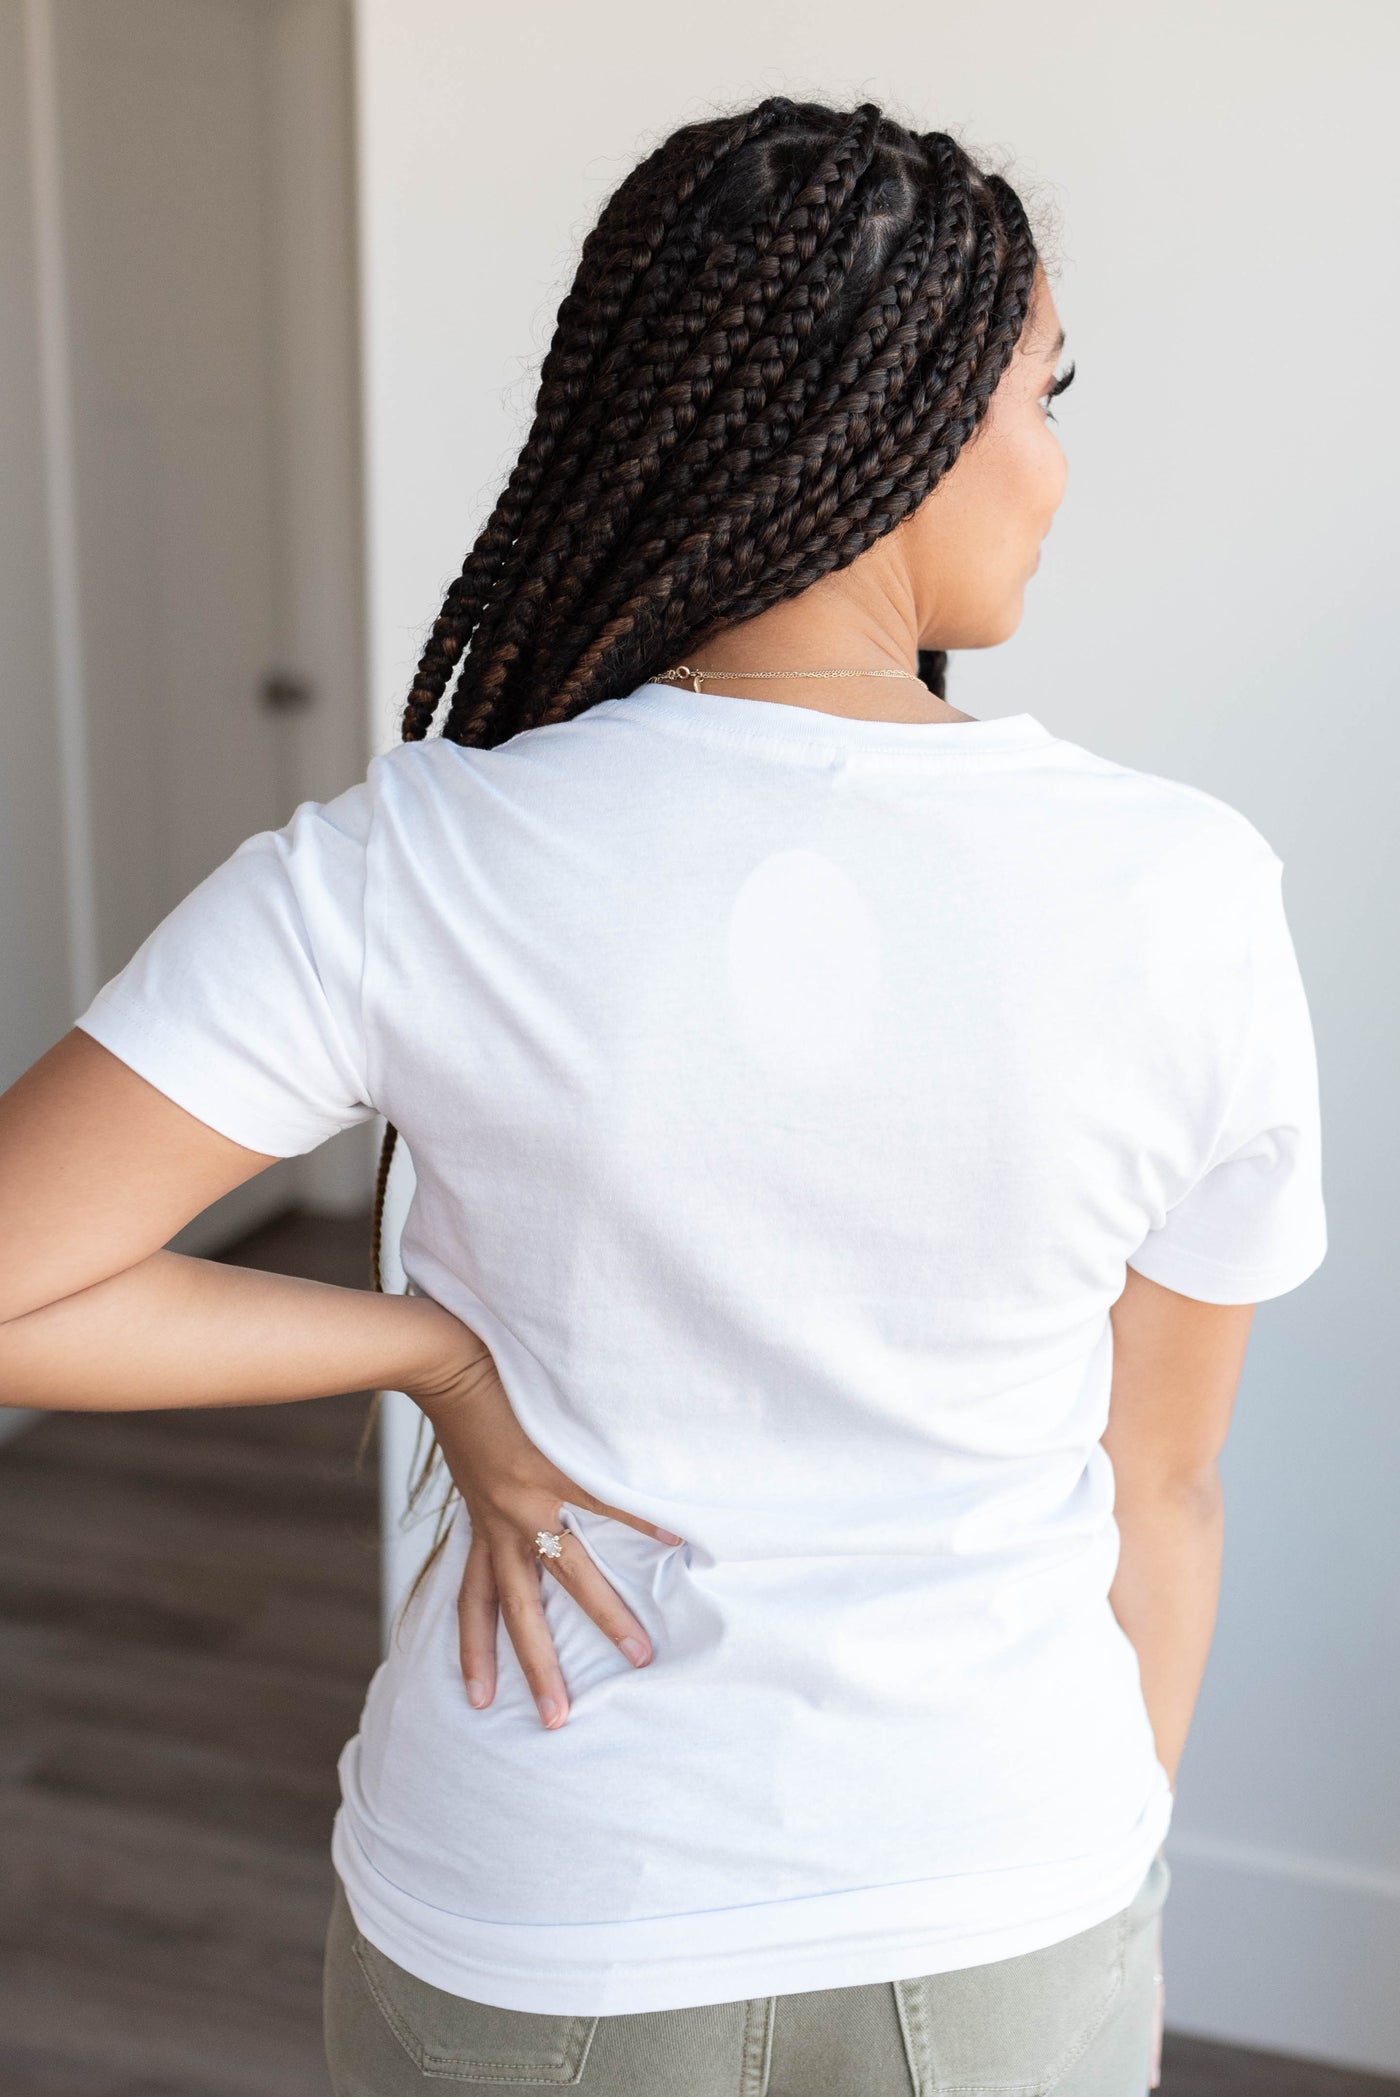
792	1090
786	1094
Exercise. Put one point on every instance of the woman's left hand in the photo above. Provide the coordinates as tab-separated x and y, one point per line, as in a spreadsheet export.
512	1494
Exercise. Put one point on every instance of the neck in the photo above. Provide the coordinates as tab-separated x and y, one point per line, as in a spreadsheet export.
831	626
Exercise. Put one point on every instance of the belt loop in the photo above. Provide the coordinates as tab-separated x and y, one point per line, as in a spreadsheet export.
911	2008
758	2045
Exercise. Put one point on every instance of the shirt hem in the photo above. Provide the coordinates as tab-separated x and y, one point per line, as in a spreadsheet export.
489	1962
1211	1281
215	1095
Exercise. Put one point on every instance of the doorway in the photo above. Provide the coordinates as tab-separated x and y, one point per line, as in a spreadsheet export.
190	171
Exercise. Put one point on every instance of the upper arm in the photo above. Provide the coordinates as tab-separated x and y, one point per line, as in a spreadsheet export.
1176	1368
98	1170
233	1036
1252	1223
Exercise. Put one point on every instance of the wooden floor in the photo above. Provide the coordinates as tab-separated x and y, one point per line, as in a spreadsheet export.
188	1618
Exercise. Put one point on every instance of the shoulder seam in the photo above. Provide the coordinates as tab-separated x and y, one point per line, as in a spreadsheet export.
1232	817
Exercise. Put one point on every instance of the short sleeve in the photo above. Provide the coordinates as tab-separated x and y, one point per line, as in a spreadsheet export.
1252	1225
243	1006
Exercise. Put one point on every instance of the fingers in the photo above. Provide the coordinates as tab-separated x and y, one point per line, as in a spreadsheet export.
516	1567
618	1514
477	1611
575	1570
502	1581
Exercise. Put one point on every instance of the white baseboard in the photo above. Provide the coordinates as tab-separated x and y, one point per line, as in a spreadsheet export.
406	1538
1287	1952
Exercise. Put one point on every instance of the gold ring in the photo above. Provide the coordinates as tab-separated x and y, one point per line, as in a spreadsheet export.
547	1544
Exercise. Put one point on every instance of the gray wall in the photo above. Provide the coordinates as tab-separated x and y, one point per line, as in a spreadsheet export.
35	983
1211	605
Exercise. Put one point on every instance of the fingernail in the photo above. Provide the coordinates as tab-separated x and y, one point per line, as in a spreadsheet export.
665	1537
476	1694
636	1652
549	1710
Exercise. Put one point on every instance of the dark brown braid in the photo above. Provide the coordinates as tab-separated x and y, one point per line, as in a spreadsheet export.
784	327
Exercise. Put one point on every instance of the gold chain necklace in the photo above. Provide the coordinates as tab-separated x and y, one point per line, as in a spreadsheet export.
684	673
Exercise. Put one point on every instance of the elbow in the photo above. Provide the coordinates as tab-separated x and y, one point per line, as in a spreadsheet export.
1188	1492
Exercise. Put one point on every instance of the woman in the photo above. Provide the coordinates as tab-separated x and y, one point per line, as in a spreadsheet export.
850	1138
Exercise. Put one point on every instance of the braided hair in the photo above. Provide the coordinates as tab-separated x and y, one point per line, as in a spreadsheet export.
784	327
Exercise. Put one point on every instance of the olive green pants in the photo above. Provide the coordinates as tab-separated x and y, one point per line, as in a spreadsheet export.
1075	2019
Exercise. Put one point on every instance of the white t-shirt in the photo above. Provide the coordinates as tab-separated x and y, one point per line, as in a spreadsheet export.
787	1094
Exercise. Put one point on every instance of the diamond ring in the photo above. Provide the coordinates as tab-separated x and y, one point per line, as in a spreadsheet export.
548	1544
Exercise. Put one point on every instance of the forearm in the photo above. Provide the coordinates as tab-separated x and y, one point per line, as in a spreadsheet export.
173	1331
1165	1596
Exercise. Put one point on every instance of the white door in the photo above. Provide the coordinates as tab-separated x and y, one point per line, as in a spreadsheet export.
197	163
162	127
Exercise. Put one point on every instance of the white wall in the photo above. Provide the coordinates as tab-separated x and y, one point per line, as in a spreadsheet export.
1210	605
314	359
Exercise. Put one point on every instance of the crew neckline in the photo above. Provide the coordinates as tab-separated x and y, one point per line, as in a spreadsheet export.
723	716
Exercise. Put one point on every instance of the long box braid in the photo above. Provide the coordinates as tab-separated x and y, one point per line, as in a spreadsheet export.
783	329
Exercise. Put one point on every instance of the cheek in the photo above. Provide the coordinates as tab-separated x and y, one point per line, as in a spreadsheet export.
978	533
1056	473
1035	474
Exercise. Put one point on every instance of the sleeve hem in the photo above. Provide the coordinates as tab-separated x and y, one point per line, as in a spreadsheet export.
1213	1281
211	1095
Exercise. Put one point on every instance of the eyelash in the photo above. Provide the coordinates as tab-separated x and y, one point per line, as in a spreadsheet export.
1055	388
